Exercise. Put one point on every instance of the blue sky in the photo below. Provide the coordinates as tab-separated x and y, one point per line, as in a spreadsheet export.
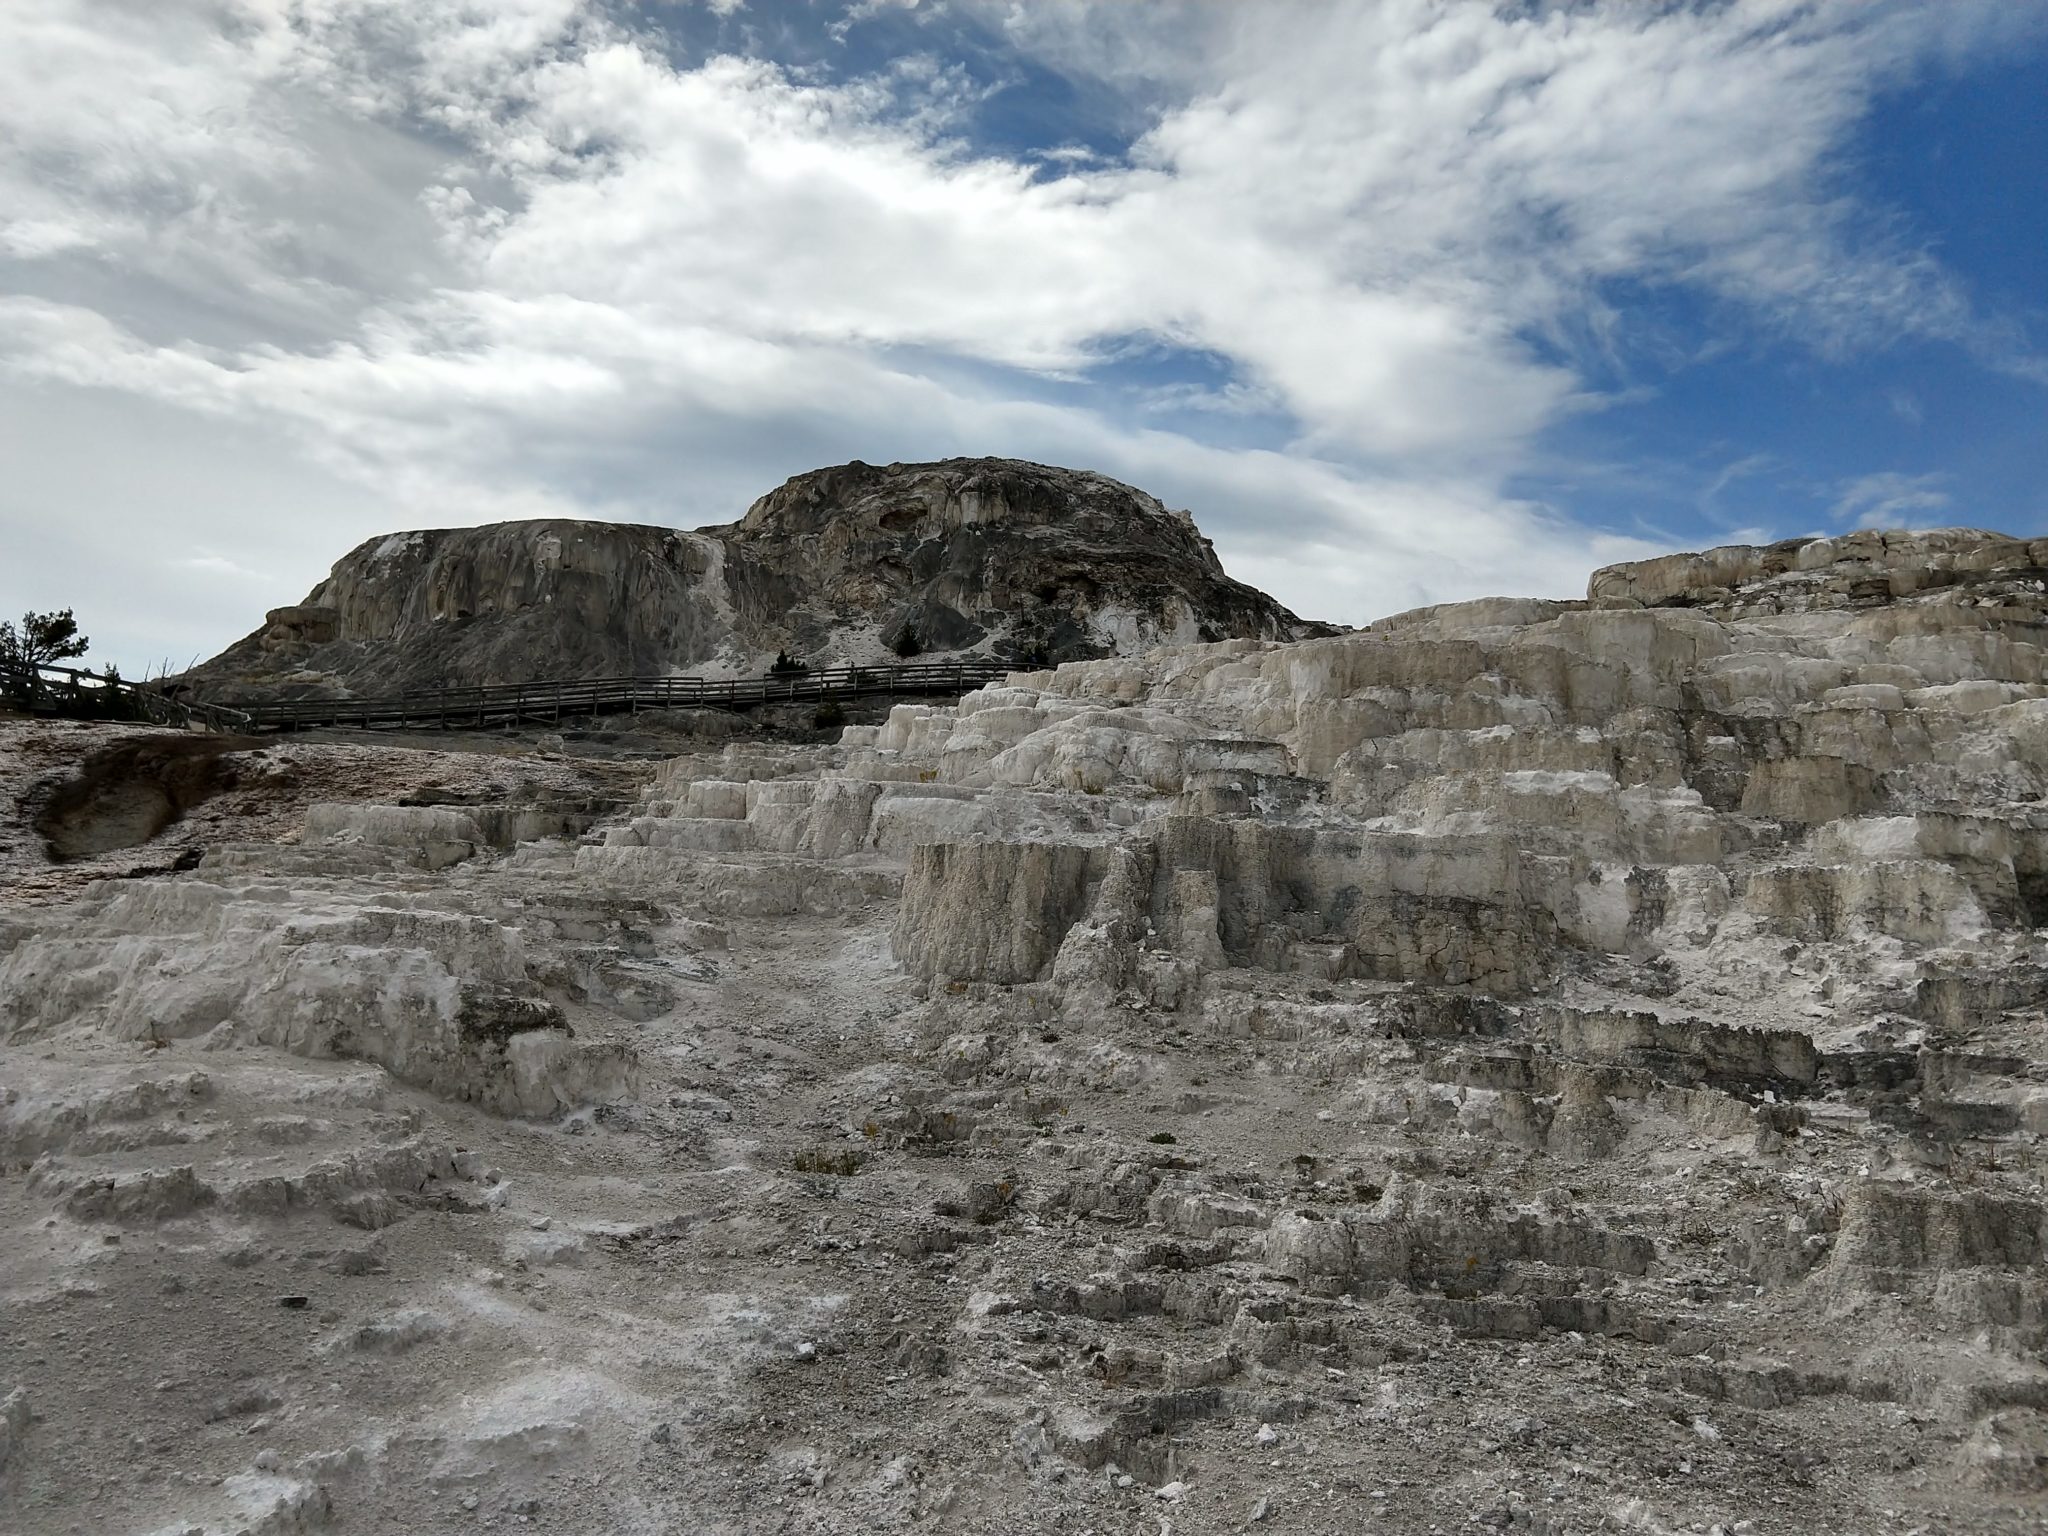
1407	301
1742	428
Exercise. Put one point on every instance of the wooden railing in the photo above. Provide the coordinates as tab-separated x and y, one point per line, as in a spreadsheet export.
68	691
549	702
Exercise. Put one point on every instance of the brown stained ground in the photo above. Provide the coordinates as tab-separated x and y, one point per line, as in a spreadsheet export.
84	801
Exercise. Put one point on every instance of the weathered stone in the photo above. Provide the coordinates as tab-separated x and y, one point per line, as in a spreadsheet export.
855	564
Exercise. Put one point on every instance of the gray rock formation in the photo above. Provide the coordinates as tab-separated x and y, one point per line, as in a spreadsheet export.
1529	1066
848	565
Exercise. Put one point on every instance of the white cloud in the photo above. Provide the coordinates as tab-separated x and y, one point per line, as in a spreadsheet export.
867	10
1892	500
513	260
212	564
1741	469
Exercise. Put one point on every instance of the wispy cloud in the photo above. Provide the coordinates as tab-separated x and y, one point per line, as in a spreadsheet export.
1745	468
1892	500
212	564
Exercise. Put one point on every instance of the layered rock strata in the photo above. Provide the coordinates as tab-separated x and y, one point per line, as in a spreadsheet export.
1530	1066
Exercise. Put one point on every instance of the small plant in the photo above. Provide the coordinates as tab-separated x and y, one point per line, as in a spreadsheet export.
842	1164
907	644
786	665
989	1203
828	716
1163	1139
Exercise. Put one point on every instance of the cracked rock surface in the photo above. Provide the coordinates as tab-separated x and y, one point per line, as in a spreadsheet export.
1527	1066
855	565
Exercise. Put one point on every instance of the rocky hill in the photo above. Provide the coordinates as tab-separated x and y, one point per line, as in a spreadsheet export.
849	565
1550	1067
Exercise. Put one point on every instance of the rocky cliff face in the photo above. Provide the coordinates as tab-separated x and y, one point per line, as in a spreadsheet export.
854	564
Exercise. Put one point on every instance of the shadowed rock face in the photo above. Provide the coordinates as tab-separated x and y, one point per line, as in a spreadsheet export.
989	557
124	794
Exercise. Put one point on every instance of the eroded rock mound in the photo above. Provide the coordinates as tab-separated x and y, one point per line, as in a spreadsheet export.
856	564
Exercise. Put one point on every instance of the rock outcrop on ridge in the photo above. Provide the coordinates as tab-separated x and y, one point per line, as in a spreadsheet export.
1531	1066
850	565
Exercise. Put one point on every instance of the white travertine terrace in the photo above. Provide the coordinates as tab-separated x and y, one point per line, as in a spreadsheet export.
1569	1066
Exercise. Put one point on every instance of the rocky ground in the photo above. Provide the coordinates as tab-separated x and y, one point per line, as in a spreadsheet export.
83	801
1528	1066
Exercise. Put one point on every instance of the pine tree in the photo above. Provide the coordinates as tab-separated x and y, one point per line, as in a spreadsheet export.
41	639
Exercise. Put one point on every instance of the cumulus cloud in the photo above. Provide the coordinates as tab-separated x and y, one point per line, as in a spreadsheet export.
534	258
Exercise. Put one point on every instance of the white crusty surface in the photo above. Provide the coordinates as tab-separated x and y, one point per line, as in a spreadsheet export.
1549	1067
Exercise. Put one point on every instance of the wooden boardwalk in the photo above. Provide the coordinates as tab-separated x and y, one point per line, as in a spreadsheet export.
70	693
550	702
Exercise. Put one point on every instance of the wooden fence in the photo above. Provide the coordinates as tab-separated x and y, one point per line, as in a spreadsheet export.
68	691
550	702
